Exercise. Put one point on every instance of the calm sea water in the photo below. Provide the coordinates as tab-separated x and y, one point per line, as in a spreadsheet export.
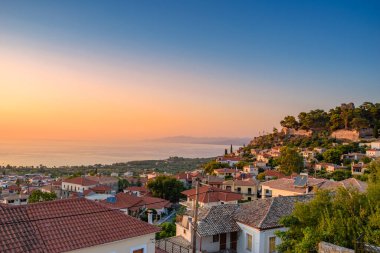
60	153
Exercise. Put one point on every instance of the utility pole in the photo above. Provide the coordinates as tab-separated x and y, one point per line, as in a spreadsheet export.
195	210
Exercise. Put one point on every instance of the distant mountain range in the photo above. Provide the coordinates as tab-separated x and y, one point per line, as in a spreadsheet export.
205	140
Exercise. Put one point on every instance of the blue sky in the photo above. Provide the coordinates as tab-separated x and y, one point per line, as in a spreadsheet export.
295	55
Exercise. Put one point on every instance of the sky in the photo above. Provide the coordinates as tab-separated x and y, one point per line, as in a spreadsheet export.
129	70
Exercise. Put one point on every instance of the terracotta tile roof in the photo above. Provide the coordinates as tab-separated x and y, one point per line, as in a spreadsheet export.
155	203
103	179
226	170
244	182
274	173
125	201
80	181
101	188
347	183
65	225
266	213
141	189
208	194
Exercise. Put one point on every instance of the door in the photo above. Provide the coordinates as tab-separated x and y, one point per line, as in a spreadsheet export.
223	241
138	251
234	240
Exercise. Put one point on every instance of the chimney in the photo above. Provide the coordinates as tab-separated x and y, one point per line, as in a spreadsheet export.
150	216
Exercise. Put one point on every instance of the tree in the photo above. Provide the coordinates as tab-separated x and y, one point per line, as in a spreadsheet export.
261	176
39	196
346	113
290	160
166	187
225	151
168	229
122	184
289	122
231	149
332	155
376	131
212	165
359	123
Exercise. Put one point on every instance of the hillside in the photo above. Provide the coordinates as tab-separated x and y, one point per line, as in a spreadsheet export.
321	128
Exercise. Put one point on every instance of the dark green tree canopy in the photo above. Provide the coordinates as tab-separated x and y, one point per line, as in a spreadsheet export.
166	187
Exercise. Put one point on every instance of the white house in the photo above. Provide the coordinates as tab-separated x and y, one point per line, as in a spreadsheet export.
77	184
259	220
375	145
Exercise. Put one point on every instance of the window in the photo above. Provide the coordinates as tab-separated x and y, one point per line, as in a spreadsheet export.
249	198
138	251
215	238
249	242
238	189
272	244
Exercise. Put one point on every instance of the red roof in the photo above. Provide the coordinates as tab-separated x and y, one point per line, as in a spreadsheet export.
65	225
137	189
274	173
125	201
209	194
101	188
226	170
155	203
80	181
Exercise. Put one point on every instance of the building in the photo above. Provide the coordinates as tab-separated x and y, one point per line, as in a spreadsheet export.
216	228
259	220
230	160
112	182
210	196
373	153
246	187
14	199
77	184
73	225
251	169
329	167
138	191
358	168
375	145
299	185
225	172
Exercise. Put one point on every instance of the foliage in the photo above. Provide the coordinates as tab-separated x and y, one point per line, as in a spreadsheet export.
261	176
339	175
39	196
289	122
338	218
166	187
122	184
332	155
168	229
290	161
212	165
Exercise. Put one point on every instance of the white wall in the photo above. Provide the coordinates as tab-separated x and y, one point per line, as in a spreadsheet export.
124	246
260	239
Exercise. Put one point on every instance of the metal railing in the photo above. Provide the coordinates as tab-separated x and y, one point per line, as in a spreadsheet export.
171	247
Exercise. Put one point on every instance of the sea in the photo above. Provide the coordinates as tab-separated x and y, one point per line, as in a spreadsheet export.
68	153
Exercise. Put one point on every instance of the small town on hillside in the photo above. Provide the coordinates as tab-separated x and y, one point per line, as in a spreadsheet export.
253	199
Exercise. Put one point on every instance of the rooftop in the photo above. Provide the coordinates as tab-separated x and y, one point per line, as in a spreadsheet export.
65	225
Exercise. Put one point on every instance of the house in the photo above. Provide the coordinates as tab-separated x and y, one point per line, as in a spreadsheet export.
230	160
136	190
187	178
348	183
216	229
213	181
73	225
329	167
210	196
14	199
264	157
358	168
259	220
133	205
308	154
225	172
251	169
373	153
112	182
299	185
273	174
375	145
353	156
247	187
102	189
77	184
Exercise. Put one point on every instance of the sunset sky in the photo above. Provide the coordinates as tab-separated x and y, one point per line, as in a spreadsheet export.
111	70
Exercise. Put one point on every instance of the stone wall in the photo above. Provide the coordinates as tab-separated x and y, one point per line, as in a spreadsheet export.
343	134
294	132
325	247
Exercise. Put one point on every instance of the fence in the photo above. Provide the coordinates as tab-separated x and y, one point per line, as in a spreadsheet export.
172	247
